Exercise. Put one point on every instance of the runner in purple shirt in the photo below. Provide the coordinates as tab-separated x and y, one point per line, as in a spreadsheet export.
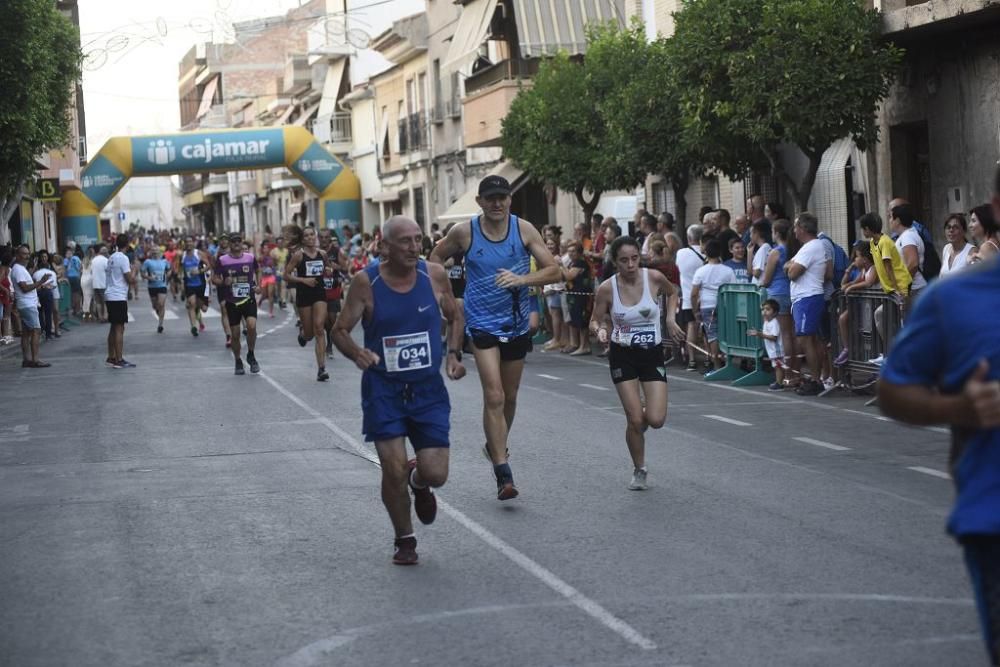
235	275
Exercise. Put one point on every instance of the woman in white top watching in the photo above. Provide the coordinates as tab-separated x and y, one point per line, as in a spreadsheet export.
985	230
955	255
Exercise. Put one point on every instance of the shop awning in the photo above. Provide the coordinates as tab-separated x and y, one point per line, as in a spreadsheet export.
470	34
545	27
207	96
385	196
465	207
331	87
829	200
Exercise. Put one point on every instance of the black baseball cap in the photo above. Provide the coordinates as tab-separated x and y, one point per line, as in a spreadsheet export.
494	185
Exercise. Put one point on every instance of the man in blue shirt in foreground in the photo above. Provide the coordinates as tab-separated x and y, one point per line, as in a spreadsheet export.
945	368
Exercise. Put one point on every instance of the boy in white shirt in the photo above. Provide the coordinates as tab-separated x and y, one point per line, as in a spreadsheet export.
705	295
771	333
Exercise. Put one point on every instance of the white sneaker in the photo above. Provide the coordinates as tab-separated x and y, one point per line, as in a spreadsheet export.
828	383
879	360
638	482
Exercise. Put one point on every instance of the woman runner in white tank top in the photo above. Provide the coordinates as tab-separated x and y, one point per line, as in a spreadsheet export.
634	341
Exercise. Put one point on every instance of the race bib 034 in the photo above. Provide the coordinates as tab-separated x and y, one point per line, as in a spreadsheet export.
407	353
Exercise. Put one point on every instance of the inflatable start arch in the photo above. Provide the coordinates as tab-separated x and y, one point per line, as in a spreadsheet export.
290	146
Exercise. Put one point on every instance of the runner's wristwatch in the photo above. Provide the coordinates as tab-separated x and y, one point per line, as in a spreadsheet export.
457	353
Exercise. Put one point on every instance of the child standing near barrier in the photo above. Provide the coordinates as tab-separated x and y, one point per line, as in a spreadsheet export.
771	333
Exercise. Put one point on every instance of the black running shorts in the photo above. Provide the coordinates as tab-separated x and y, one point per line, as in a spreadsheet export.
117	312
511	349
645	364
236	312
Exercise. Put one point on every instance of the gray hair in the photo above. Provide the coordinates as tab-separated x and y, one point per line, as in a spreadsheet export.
808	222
390	226
671	236
695	233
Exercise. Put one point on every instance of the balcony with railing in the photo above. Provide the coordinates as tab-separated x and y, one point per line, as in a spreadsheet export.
334	130
488	96
413	133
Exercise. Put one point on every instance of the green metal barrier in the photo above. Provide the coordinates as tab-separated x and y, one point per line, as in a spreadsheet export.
738	311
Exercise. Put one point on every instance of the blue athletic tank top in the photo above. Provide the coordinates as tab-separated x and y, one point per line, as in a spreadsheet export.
500	312
405	329
189	264
779	281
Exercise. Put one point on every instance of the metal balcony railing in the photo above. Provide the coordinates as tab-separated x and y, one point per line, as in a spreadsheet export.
505	70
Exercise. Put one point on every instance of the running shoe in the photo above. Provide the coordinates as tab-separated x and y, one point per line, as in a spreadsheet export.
692	366
126	364
879	360
109	362
774	386
406	551
322	375
424	502
828	384
239	368
842	358
194	331
505	482
638	482
252	360
229	341
302	341
159	329
201	326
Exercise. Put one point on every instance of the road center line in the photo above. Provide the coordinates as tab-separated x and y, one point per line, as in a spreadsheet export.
578	599
727	420
820	443
548	377
595	387
929	471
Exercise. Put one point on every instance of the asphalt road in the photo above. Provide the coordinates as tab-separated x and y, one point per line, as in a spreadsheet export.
178	514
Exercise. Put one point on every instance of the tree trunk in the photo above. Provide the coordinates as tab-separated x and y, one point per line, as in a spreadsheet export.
7	208
680	186
809	179
588	206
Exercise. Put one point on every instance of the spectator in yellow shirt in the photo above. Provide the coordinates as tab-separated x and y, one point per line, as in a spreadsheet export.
892	273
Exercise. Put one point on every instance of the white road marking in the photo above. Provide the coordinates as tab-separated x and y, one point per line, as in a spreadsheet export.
938	429
727	420
578	599
595	387
929	471
548	377
780	399
820	443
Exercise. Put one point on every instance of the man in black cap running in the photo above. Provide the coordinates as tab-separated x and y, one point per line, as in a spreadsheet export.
498	247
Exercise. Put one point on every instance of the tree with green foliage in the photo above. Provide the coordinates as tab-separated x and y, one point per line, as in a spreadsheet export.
760	74
39	65
645	119
556	131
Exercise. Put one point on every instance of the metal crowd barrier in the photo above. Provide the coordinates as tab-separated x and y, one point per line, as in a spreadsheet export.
738	311
874	321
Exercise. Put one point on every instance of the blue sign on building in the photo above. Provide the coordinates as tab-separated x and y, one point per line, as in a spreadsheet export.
203	152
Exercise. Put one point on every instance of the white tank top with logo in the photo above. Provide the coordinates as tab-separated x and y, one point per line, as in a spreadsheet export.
638	325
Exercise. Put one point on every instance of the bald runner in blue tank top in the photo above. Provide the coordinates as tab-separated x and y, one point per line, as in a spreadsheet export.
404	393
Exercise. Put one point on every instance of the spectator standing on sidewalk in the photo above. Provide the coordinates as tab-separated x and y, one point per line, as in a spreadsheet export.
26	297
74	272
87	284
920	385
120	277
808	270
6	295
955	254
99	271
985	232
705	296
910	246
893	276
47	304
688	261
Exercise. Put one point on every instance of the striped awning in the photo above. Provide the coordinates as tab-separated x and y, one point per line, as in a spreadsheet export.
470	34
545	27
